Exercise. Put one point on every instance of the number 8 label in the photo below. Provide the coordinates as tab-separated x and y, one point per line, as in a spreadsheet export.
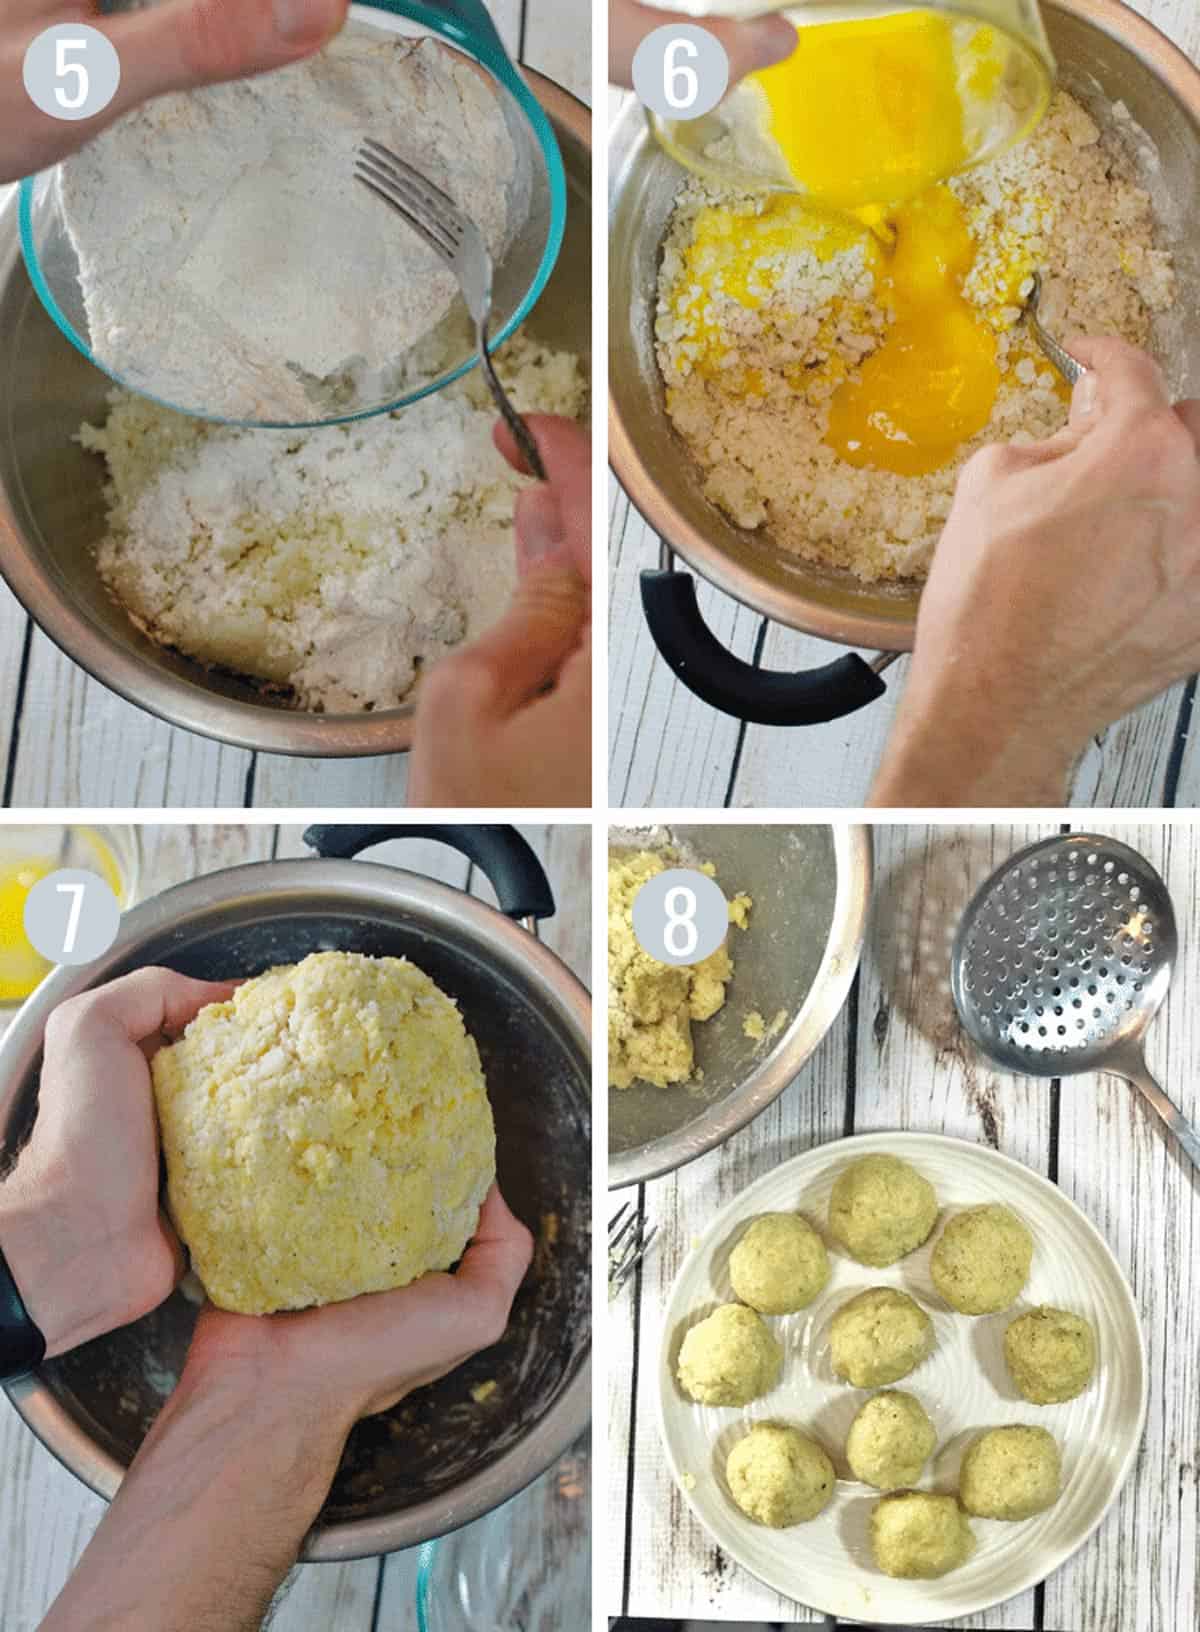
681	71
680	917
72	71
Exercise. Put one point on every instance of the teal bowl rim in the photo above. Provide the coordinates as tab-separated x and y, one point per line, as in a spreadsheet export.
498	63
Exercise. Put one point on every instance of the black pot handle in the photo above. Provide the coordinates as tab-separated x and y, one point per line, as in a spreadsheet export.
511	867
758	696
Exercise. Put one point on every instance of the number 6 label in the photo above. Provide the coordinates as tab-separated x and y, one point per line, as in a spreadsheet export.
71	916
681	71
72	71
680	917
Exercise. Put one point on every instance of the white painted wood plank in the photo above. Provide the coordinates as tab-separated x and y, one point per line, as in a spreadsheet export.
558	42
1178	19
667	747
1129	765
13	627
379	784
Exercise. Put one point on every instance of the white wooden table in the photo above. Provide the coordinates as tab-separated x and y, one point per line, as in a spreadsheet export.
669	749
47	1516
66	741
896	1059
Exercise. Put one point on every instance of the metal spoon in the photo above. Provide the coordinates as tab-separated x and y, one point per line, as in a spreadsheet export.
1071	369
1063	959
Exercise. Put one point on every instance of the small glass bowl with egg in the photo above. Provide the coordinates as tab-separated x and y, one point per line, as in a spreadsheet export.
29	854
258	273
878	101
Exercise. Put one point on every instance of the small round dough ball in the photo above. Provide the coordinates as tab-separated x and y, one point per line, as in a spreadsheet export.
326	1132
981	1260
878	1337
890	1441
1050	1354
779	1476
917	1536
881	1209
730	1358
779	1264
1011	1473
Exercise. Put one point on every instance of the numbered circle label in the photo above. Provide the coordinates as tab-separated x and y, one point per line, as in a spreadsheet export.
71	916
681	72
72	71
680	916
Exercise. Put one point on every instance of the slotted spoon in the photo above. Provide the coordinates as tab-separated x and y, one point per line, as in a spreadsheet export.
457	241
1063	959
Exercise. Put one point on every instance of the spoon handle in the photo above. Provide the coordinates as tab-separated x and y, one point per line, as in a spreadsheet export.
1137	1073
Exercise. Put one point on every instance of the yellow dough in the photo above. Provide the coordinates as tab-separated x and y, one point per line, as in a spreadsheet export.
879	1337
881	1209
779	1476
779	1264
327	1132
1050	1354
1011	1473
981	1260
730	1358
917	1536
651	1005
890	1441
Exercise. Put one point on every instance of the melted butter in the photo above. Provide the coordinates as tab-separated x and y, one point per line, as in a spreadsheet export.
21	968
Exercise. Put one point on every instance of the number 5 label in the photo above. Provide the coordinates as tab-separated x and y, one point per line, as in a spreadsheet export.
72	71
680	917
71	916
681	71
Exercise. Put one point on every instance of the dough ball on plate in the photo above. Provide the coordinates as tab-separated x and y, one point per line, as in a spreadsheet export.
730	1358
881	1209
879	1337
981	1261
779	1476
779	1264
1011	1473
1050	1354
890	1441
326	1132
917	1536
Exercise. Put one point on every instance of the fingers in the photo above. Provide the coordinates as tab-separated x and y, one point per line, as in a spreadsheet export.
186	43
144	1004
554	519
753	44
1124	381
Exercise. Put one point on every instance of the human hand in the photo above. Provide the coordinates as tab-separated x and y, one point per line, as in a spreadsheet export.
350	1360
1065	592
750	43
170	47
80	1224
508	719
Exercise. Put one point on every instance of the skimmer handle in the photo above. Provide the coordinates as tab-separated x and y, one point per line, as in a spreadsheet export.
1132	1066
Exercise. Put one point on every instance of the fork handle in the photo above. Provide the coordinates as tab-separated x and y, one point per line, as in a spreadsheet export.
522	435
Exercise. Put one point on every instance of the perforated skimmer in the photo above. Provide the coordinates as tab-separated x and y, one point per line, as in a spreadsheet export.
1063	959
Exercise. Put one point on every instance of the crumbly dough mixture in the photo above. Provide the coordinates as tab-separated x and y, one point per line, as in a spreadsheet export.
327	1132
331	563
228	260
750	371
651	1006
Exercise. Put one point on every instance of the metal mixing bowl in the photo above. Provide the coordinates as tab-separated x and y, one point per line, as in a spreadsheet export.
811	888
52	501
438	1460
1105	53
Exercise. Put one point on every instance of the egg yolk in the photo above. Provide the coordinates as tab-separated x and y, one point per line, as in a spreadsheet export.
932	384
21	968
870	112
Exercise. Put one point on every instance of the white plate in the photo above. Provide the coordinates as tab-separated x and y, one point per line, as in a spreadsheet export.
964	1386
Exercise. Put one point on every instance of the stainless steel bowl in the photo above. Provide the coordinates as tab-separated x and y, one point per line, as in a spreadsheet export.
811	888
52	504
1105	53
437	1460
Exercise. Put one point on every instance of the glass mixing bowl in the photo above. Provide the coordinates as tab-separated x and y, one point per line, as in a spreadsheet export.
1001	61
537	205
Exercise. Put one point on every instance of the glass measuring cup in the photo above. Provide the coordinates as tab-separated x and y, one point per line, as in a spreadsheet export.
879	101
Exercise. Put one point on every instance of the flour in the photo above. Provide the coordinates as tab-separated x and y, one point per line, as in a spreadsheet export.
229	262
332	563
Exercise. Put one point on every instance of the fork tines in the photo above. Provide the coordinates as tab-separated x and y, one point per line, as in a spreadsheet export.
426	208
628	1243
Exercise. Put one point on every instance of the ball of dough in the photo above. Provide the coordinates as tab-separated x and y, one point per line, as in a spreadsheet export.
730	1358
779	1265
981	1260
327	1132
1011	1473
917	1536
881	1209
1050	1354
890	1441
878	1337
779	1476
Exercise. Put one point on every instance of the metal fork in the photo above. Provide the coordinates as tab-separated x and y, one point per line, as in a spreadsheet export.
457	241
1071	369
628	1243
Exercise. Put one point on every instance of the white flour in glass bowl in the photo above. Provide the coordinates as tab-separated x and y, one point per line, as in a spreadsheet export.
230	263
